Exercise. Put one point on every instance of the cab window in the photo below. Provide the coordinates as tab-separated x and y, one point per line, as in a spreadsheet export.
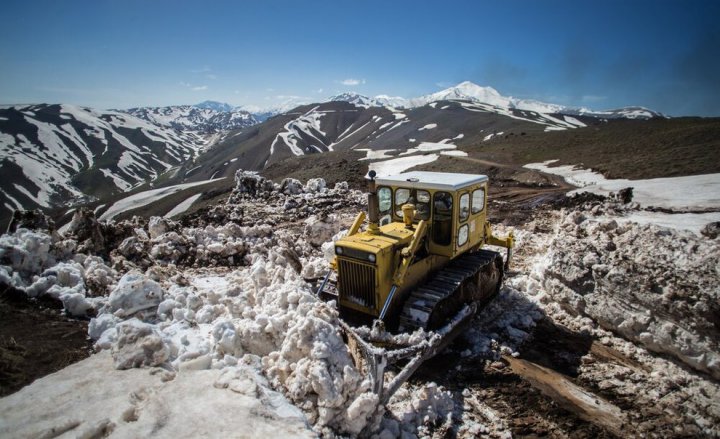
402	196
442	218
422	204
464	211
478	200
384	195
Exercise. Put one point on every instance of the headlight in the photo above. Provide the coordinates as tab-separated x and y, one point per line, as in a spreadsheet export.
338	250
371	257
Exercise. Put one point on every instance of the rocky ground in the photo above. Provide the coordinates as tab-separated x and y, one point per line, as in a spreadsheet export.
603	329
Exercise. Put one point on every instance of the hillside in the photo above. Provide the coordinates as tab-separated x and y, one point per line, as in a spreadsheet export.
53	154
82	155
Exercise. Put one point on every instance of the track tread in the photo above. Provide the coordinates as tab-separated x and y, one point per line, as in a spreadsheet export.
422	301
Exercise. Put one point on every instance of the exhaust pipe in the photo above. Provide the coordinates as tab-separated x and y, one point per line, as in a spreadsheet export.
373	212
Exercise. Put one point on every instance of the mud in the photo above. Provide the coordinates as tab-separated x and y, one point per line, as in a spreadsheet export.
36	339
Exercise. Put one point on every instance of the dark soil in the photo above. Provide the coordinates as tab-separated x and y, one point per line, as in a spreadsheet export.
36	339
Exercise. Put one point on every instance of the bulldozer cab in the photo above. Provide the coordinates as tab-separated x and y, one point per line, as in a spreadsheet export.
453	205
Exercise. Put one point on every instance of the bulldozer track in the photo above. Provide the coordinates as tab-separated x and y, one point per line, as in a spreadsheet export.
469	278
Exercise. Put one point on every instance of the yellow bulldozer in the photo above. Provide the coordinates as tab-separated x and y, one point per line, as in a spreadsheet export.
419	264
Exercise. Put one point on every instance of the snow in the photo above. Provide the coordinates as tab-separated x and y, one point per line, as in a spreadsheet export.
454	153
183	206
249	340
57	152
428	127
574	121
308	124
155	402
144	198
638	280
491	135
428	147
679	193
376	154
400	164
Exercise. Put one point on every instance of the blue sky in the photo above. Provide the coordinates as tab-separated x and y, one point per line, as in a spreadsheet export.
664	55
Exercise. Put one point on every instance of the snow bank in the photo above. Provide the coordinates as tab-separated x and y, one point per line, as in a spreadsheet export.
652	285
38	264
264	314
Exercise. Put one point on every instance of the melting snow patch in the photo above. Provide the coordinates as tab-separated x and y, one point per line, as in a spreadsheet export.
144	198
401	164
428	127
376	154
681	193
454	153
183	206
429	146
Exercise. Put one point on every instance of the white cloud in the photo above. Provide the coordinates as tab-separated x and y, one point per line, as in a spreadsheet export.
351	81
211	76
319	90
443	84
270	89
200	88
184	84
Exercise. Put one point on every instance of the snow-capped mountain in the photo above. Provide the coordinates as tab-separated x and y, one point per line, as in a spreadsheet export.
392	101
488	96
619	113
356	99
264	113
215	105
465	91
52	154
195	117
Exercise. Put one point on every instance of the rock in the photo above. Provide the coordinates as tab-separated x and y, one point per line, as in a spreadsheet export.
251	183
711	230
86	229
625	195
291	186
32	220
316	185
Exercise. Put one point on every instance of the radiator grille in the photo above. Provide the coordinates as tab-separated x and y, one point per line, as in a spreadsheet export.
357	283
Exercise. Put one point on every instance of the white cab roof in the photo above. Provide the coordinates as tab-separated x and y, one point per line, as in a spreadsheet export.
431	180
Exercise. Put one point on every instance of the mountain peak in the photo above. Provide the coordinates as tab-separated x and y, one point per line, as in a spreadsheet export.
356	99
215	105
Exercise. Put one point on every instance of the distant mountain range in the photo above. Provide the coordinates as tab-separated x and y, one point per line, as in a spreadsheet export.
468	91
56	155
213	116
207	117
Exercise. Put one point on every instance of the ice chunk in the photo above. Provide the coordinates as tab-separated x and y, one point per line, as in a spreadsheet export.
134	293
138	344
